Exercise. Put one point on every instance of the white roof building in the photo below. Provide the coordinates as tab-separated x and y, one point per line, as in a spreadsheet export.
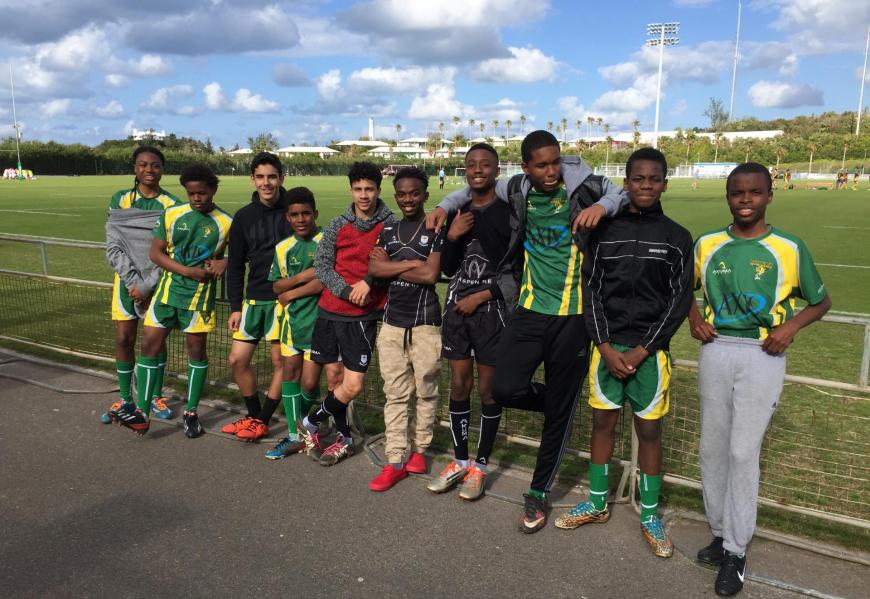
150	134
240	152
291	151
407	151
367	143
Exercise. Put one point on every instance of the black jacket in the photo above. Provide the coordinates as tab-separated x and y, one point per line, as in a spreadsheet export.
256	230
637	279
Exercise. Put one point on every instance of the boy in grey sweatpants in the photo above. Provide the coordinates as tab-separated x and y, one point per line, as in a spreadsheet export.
750	273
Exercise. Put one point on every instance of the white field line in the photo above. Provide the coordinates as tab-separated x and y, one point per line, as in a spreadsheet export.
842	265
843	227
52	213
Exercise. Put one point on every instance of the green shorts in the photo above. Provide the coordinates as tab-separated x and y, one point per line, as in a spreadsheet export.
648	390
164	316
123	307
290	346
260	319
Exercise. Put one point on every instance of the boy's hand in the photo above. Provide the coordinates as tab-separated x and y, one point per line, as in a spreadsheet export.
379	254
359	294
284	298
635	356
588	218
199	274
436	219
779	338
135	295
217	267
701	330
615	362
460	226
467	305
234	320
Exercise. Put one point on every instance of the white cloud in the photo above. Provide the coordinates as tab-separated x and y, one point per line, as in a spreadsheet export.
526	65
289	75
317	37
822	26
329	84
165	99
778	94
76	51
214	97
129	126
245	101
439	102
770	55
381	81
55	108
148	65
571	108
113	80
112	110
503	110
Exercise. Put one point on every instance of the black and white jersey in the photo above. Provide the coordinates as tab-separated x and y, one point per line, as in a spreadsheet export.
410	304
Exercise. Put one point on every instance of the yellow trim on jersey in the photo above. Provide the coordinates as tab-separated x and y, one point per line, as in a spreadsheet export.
282	249
569	280
787	256
126	200
706	246
529	286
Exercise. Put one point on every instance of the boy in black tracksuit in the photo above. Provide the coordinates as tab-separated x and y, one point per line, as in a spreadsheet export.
638	280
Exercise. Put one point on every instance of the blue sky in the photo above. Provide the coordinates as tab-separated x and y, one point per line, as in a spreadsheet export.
311	72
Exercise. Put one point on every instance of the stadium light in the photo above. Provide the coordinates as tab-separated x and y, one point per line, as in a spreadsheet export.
736	60
15	124
661	35
863	79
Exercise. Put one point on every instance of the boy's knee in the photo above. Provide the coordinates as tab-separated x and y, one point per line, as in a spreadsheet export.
505	393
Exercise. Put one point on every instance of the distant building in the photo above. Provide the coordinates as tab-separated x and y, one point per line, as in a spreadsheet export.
148	135
291	151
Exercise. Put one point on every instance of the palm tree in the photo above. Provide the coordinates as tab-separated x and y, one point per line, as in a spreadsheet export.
494	127
564	122
635	136
470	126
690	138
456	122
482	128
606	127
577	125
550	126
589	121
599	120
779	155
717	138
522	124
609	145
398	130
508	124
748	148
812	148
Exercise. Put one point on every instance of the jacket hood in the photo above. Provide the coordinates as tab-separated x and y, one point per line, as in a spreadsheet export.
573	177
380	214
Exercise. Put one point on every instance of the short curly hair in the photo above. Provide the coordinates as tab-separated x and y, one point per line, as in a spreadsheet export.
364	170
199	172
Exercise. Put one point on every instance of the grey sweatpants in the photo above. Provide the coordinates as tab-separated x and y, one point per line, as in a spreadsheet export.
740	386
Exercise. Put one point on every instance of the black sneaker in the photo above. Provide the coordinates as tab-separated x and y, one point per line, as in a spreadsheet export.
120	409
534	514
134	420
731	573
192	427
713	553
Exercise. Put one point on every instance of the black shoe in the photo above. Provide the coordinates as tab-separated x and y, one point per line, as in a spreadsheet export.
192	427
134	420
731	573
534	516
713	553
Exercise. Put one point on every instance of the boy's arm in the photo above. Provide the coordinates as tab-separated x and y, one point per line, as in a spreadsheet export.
782	336
680	297
297	280
613	199
159	257
426	274
312	287
381	267
324	263
454	200
236	255
593	304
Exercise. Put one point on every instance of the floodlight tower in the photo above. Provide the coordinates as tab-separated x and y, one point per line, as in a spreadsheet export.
15	124
863	79
661	35
736	60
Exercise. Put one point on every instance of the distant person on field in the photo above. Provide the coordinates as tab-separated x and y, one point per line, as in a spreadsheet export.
189	243
441	176
132	213
787	179
750	273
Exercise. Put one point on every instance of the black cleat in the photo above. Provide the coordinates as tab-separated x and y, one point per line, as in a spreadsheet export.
731	573
713	553
192	427
134	420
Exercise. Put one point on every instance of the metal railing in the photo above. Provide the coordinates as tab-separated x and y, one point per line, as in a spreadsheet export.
815	453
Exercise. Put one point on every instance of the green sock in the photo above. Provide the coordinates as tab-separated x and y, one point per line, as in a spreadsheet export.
291	398
125	380
310	400
197	372
598	487
535	493
146	370
650	487
158	380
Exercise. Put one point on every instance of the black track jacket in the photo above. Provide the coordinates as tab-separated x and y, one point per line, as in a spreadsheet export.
637	276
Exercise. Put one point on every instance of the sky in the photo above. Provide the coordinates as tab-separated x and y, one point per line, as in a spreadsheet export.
314	71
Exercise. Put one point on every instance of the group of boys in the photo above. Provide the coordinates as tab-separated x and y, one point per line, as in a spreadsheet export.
542	266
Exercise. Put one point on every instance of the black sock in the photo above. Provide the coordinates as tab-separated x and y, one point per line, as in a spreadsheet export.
340	418
269	407
252	402
490	416
332	407
460	414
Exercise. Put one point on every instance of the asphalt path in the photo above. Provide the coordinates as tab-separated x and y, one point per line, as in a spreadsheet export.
93	510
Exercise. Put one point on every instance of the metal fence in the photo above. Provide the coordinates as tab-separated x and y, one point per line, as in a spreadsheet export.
815	456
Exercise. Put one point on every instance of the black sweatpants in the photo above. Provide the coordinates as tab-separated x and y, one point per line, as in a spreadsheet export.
561	343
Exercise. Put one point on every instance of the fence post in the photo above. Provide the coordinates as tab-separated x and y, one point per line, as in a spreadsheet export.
865	358
44	255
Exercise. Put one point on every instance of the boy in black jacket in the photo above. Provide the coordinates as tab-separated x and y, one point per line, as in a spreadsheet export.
637	279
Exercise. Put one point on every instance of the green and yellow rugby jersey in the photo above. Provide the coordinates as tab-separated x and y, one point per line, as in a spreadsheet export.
551	281
132	198
750	284
192	238
292	256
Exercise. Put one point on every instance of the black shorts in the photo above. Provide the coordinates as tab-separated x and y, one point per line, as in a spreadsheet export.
480	332
351	342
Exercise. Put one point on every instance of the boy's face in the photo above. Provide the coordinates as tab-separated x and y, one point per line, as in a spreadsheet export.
303	219
410	197
545	168
148	168
481	170
748	197
364	193
200	195
645	185
267	180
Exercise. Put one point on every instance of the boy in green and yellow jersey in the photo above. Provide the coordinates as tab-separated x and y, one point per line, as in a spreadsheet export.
131	216
189	242
298	292
750	273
